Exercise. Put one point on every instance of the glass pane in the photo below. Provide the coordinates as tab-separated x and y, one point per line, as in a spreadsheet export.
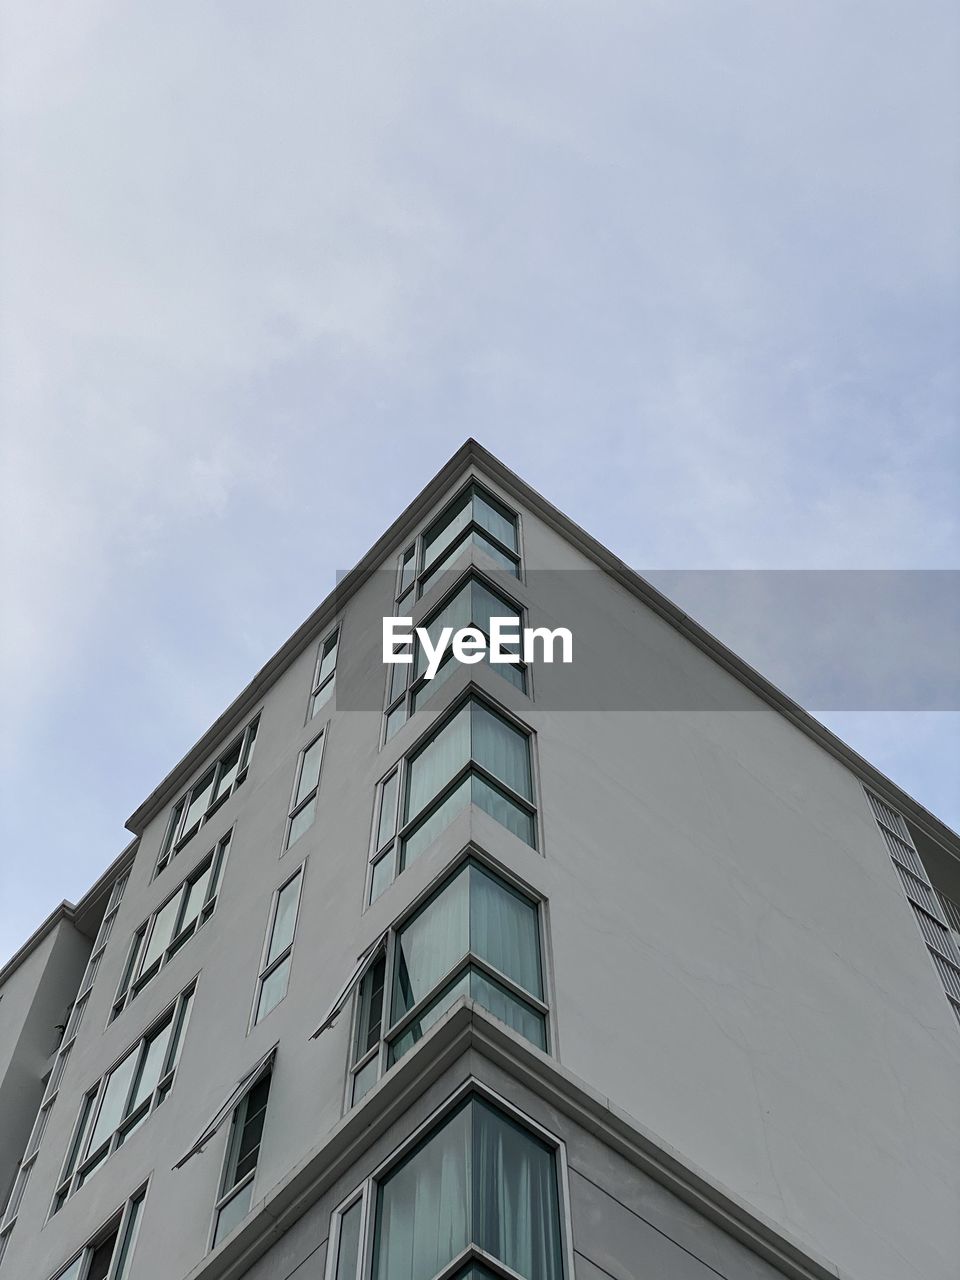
349	1249
442	533
232	1213
423	835
151	1067
114	1097
73	1271
505	1006
370	1011
285	919
516	1209
431	944
124	1265
475	1271
199	799
423	1206
302	821
364	1080
82	1127
490	515
487	604
504	930
382	875
321	697
387	824
132	955
395	720
255	1110
162	932
101	1257
436	763
310	771
398	680
196	896
172	826
433	1013
455	614
273	989
229	766
503	750
328	659
183	1019
406	570
447	668
250	742
457	550
504	810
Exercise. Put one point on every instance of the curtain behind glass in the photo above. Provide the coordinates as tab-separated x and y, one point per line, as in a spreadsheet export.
501	749
423	1207
456	614
488	517
504	931
516	1211
431	944
436	764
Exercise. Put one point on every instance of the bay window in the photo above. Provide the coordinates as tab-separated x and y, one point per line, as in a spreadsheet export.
472	604
482	1189
475	756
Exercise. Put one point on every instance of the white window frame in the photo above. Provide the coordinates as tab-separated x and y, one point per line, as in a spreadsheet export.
132	980
366	1192
267	969
177	835
324	685
238	1118
392	844
405	702
296	807
80	1163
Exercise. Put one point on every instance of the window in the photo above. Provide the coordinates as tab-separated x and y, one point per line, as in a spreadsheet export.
929	907
303	805
172	925
325	672
482	1185
120	1102
475	518
109	1255
278	948
473	603
240	1162
475	756
477	936
206	796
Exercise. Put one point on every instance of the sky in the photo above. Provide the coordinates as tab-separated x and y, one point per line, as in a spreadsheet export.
689	269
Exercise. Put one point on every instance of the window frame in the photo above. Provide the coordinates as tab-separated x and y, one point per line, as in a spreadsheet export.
231	1152
128	1219
406	701
176	834
424	574
81	1160
390	1029
296	807
133	977
391	847
366	1192
327	684
268	967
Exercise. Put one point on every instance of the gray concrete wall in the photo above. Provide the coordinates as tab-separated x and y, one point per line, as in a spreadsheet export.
732	959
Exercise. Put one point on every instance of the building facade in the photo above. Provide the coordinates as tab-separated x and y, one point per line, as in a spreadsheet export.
628	969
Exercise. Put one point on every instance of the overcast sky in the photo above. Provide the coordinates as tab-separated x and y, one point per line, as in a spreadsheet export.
691	269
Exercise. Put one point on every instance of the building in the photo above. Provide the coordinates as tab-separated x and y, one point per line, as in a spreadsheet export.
483	977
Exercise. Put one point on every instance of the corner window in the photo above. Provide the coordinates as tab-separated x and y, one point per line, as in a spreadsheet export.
325	672
110	1252
475	756
206	796
473	603
482	1185
303	804
162	936
240	1162
474	518
476	936
278	948
120	1102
